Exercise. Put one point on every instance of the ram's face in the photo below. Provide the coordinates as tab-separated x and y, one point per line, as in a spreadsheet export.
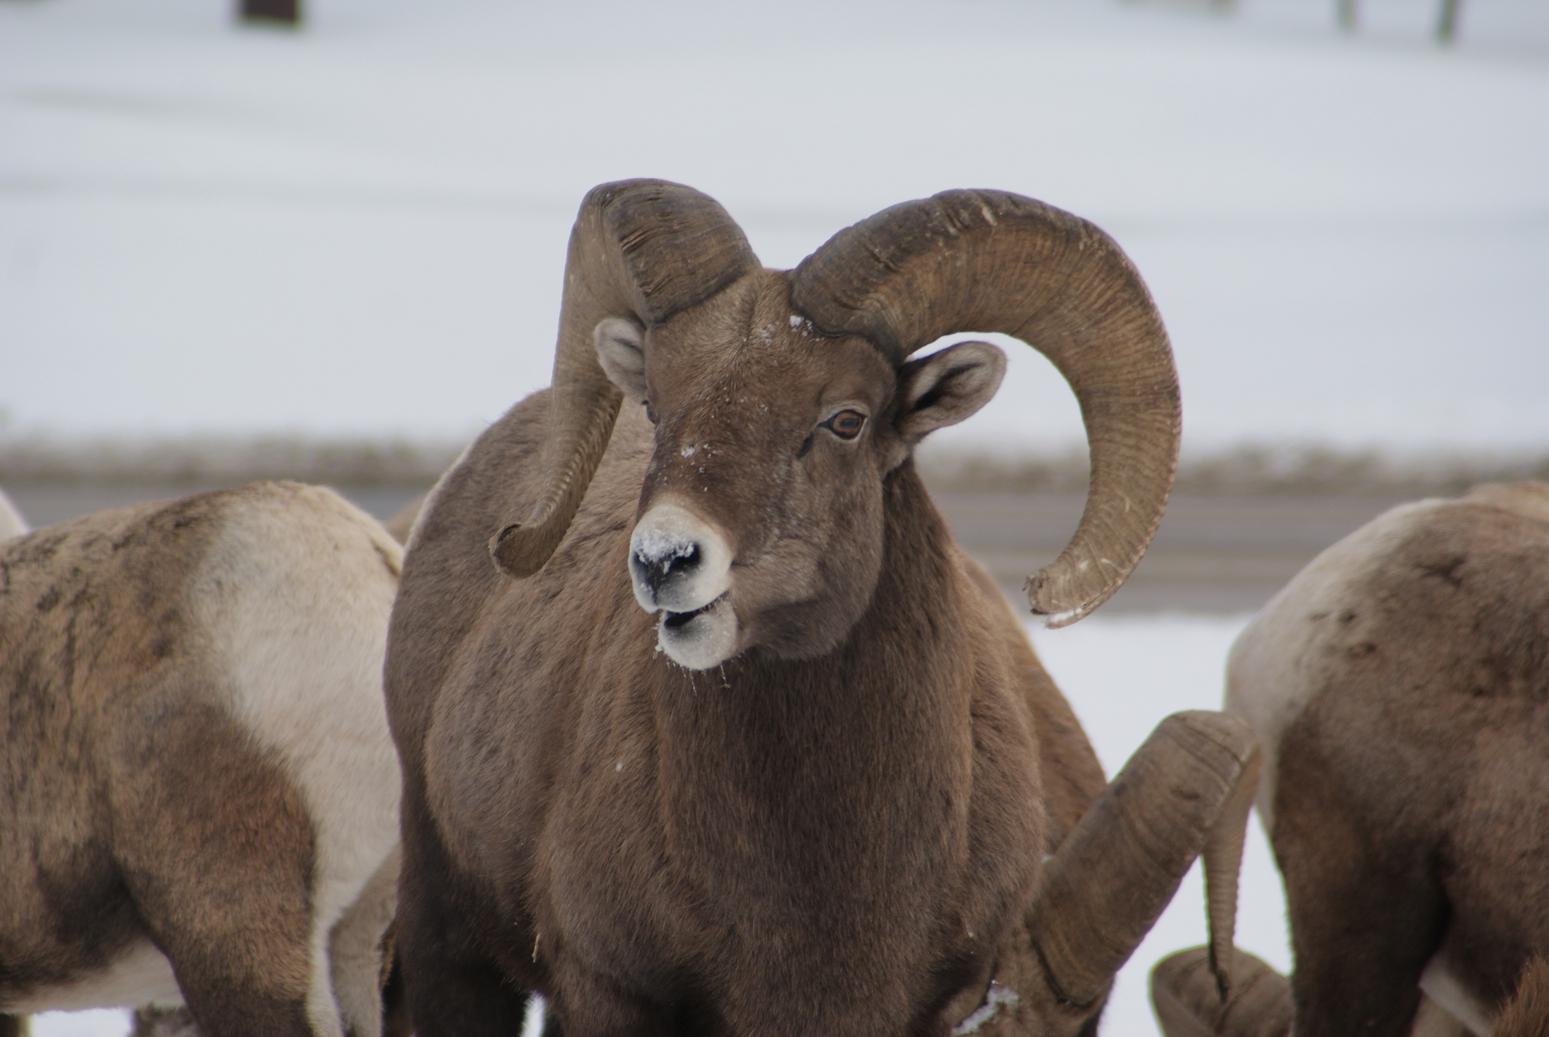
760	519
760	522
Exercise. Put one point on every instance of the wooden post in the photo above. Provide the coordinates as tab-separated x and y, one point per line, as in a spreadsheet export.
274	12
1447	26
1347	15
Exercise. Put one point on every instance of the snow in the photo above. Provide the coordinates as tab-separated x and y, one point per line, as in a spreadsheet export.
659	548
360	229
1123	675
997	997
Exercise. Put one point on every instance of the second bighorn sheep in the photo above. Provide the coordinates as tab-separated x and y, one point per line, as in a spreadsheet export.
198	795
731	738
1400	687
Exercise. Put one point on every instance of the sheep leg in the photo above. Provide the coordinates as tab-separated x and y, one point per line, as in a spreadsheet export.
163	1022
591	1006
358	952
1363	923
215	847
453	989
14	1026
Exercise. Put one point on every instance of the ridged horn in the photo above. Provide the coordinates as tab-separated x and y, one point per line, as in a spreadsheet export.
1223	870
1104	888
1186	999
640	248
991	261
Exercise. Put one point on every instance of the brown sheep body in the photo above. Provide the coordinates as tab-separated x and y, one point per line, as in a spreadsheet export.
752	747
1399	686
198	793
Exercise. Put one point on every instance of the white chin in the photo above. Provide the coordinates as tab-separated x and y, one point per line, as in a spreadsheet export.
706	640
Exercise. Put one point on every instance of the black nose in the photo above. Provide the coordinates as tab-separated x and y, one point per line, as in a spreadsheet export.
655	565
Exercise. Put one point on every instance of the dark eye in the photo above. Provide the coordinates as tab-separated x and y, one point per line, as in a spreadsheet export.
847	424
650	412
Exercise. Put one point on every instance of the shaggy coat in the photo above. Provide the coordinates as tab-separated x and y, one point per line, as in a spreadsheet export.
198	796
830	771
707	726
1400	688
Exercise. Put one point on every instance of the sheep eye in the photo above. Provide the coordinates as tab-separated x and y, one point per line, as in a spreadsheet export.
650	412
847	424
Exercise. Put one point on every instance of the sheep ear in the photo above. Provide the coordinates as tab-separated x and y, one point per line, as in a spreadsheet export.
621	351
944	388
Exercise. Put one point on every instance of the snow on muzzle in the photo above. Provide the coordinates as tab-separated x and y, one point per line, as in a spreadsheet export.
681	567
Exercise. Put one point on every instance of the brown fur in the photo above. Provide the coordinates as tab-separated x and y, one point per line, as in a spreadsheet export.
831	833
133	806
1183	993
1408	814
1527	1014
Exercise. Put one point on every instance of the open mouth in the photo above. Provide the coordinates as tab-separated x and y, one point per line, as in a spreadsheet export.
699	638
676	621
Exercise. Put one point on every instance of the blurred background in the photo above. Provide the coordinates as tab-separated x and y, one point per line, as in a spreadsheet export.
332	249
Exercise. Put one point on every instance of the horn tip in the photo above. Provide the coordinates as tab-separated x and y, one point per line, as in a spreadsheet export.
1053	607
1230	732
1221	968
519	551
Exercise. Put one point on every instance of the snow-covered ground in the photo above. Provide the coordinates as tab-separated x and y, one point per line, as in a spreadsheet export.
360	229
1123	675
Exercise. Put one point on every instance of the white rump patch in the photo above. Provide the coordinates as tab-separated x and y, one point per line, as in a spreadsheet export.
1266	679
295	594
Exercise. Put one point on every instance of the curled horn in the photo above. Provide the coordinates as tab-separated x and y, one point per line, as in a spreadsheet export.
1223	869
640	248
1115	873
990	261
1186	999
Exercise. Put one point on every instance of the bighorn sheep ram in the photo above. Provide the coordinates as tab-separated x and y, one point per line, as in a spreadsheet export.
198	797
751	747
1400	687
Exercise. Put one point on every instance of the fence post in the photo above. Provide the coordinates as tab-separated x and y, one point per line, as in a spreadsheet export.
276	12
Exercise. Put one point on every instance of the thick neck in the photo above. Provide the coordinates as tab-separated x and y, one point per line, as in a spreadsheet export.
904	654
835	755
821	814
